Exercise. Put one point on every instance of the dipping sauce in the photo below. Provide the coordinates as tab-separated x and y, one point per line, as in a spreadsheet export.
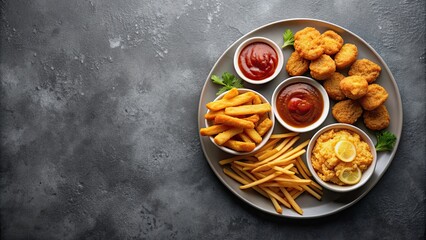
258	61
300	104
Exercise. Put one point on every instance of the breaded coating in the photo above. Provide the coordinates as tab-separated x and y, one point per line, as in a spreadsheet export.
377	119
346	56
307	43
354	87
322	68
376	96
332	86
296	65
347	111
331	42
366	68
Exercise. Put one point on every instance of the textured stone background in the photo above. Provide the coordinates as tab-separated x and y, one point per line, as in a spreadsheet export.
99	135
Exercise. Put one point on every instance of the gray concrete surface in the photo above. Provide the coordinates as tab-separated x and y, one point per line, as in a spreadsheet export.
99	135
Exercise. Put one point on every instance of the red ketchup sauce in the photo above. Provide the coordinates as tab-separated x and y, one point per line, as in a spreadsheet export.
299	104
258	61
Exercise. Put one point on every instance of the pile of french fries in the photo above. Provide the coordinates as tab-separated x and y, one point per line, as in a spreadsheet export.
239	120
276	171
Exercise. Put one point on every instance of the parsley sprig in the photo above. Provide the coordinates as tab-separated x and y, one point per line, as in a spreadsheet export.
228	81
288	38
385	141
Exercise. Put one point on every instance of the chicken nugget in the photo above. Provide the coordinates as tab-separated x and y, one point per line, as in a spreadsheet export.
296	65
354	87
376	96
377	119
307	43
366	68
322	68
346	56
331	42
332	86
347	111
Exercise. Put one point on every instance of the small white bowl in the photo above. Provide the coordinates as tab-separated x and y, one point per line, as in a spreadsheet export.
262	40
365	175
265	137
313	83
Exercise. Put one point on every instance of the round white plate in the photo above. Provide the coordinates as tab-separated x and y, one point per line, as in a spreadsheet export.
331	202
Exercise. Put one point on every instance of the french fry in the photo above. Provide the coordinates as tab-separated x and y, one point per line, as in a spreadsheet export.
231	159
244	137
231	94
265	179
282	184
240	146
253	118
284	135
248	109
257	100
291	201
264	126
233	121
277	206
304	167
235	101
253	134
222	137
213	130
210	115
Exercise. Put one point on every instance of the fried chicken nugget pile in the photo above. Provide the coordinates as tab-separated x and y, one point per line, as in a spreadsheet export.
355	98
356	95
315	50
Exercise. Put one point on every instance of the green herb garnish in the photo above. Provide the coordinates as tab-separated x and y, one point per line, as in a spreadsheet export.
288	38
228	81
385	141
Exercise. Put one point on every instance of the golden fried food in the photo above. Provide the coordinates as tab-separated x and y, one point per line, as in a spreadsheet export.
354	87
365	68
346	56
347	111
296	65
308	44
328	164
377	119
376	96
322	68
276	172
238	121
332	86
331	42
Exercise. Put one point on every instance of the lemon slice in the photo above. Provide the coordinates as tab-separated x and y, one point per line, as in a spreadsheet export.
349	176
345	151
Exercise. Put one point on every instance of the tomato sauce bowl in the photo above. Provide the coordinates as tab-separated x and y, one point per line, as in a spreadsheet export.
258	60
300	104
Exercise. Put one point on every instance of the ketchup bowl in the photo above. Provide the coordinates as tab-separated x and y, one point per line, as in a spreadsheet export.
258	60
300	104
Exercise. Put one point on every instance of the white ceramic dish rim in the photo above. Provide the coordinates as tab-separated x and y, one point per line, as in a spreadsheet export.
264	40
322	210
265	137
312	82
366	174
